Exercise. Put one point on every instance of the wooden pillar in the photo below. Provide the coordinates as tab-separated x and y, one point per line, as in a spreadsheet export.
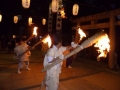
111	60
93	22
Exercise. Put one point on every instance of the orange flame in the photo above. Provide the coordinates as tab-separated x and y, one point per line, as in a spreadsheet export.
47	40
35	31
81	33
103	45
62	12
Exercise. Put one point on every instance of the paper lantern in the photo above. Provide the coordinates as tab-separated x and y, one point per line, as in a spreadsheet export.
26	3
75	9
30	21
55	5
14	36
43	21
15	19
0	17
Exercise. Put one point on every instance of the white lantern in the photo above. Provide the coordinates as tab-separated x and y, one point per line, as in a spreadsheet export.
43	21
55	5
26	3
14	36
30	21
0	17
75	9
15	19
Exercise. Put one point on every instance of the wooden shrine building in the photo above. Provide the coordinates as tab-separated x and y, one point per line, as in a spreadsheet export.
94	24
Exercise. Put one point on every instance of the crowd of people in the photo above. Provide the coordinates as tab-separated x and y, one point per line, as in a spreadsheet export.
7	44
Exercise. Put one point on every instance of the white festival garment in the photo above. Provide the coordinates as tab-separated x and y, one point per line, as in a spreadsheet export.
52	80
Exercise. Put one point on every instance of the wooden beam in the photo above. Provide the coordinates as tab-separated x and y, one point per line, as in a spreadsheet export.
96	26
96	16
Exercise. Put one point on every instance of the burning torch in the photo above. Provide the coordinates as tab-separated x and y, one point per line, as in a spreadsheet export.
103	46
45	39
34	34
81	33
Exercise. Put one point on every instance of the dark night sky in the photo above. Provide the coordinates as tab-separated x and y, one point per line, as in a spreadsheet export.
39	9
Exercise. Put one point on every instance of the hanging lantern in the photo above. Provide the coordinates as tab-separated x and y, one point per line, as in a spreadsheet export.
14	36
55	5
0	17
30	21
75	9
15	19
26	3
43	21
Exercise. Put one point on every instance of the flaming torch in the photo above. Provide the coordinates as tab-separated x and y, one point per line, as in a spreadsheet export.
34	34
103	45
35	31
81	33
47	40
33	46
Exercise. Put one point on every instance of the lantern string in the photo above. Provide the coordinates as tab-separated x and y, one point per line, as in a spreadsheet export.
22	15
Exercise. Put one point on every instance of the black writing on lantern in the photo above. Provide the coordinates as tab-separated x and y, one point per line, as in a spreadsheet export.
56	5
26	3
76	9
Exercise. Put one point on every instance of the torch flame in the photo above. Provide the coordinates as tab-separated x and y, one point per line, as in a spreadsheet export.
35	31
103	45
81	33
47	40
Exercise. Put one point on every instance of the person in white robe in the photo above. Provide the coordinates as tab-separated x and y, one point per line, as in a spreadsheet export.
52	75
18	50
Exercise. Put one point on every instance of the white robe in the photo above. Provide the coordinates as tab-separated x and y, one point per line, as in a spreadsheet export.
20	49
52	80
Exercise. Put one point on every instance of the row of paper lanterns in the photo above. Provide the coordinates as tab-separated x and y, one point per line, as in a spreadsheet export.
55	6
15	19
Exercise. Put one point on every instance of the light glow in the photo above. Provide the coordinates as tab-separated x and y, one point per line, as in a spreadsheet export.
81	33
103	45
35	31
47	40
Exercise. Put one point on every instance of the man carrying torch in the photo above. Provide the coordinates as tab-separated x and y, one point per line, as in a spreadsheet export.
52	63
19	52
52	75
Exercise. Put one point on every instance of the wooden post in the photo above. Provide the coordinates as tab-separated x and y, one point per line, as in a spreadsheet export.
111	60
